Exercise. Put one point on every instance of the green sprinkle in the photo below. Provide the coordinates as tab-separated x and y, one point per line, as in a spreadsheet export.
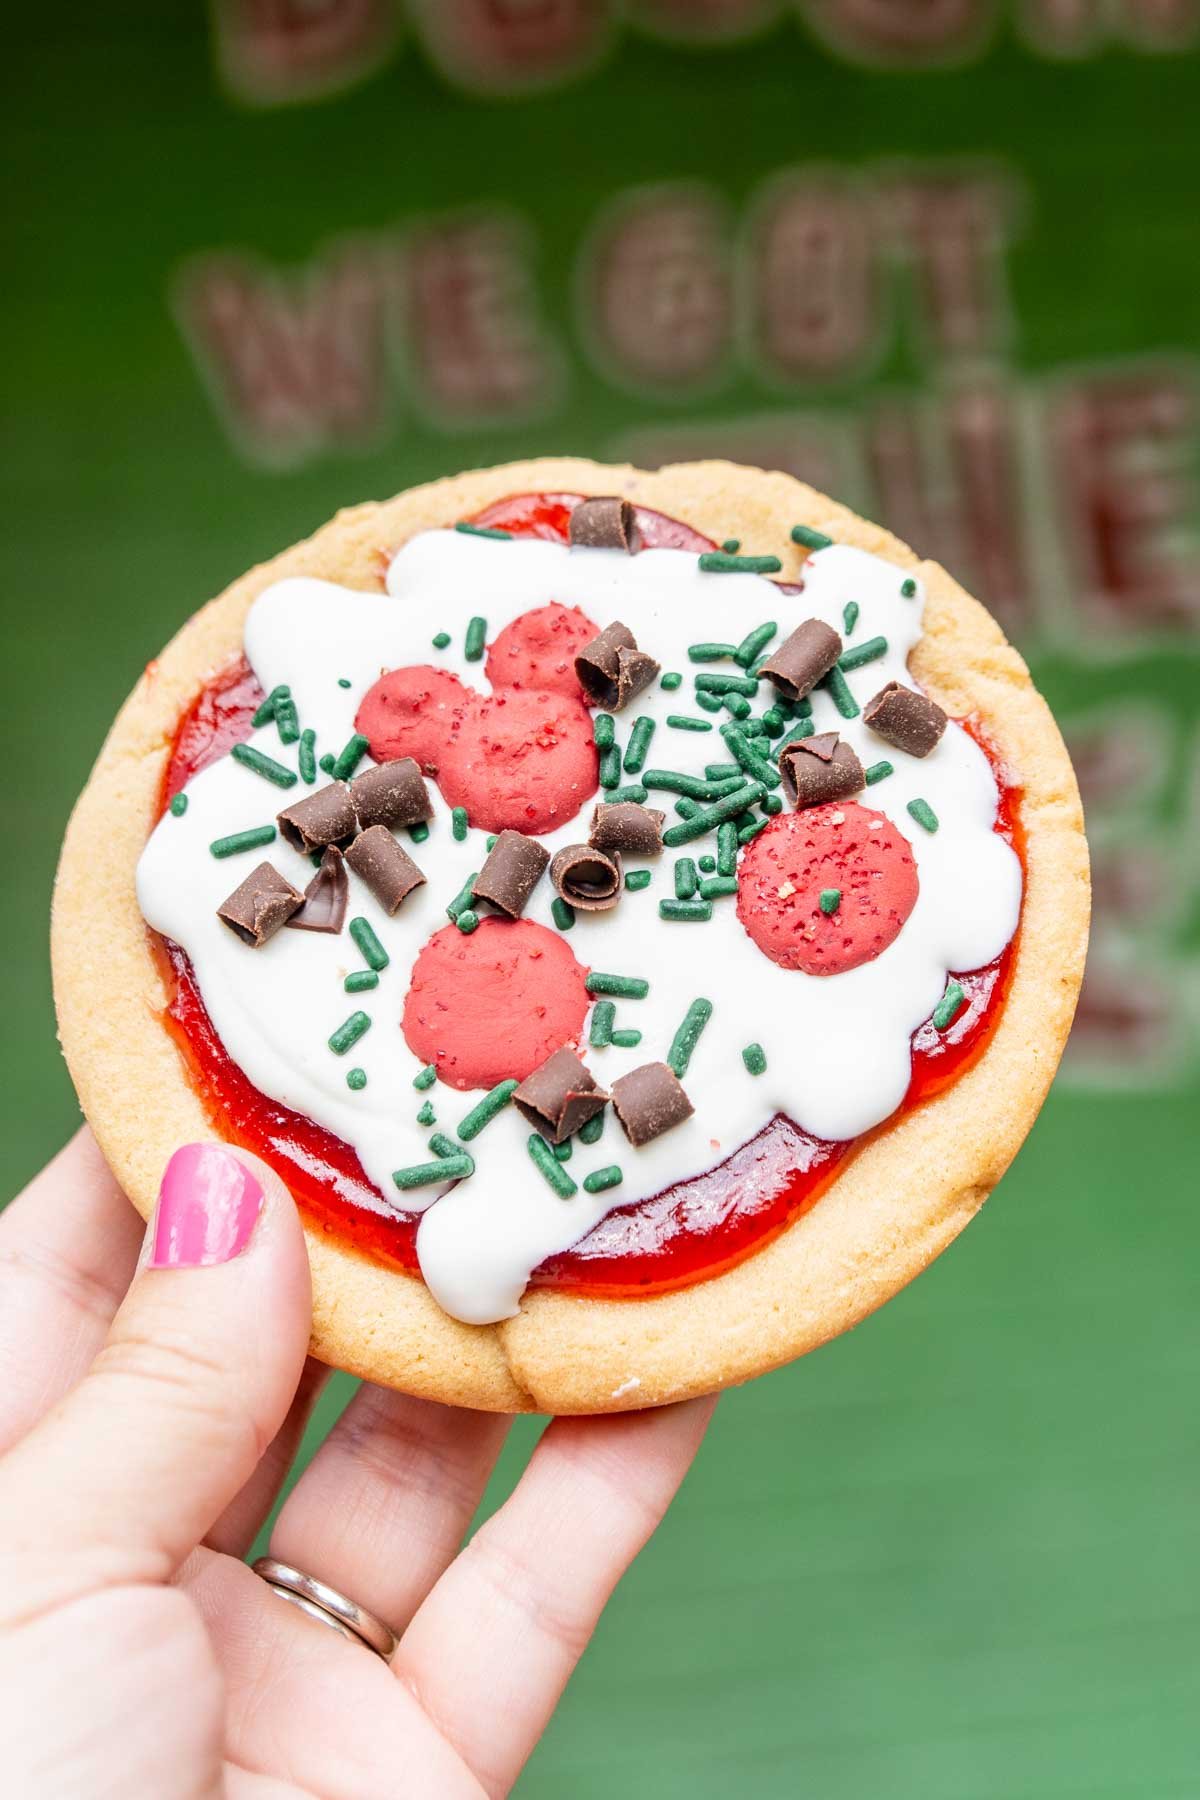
553	1170
753	728
348	1033
326	763
463	898
307	755
683	1044
441	640
713	887
426	1114
179	805
360	981
803	728
287	723
601	1179
811	540
721	771
862	653
773	722
706	652
562	1152
731	546
485	531
849	617
370	948
639	744
441	1145
592	1130
348	759
604	731
709	702
426	1078
627	1039
681	722
727	848
266	712
771	805
755	642
755	1059
343	681
632	791
726	684
684	911
458	823
637	879
356	1079
446	1168
687	809
621	987
752	830
562	914
878	772
737	705
610	767
467	921
686	878
490	840
707	864
924	814
840	694
485	1110
673	781
603	1014
473	643
908	588
709	817
949	1005
671	680
744	819
831	899
419	832
266	766
717	562
253	839
757	766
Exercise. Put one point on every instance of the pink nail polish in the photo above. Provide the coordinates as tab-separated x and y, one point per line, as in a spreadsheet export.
207	1208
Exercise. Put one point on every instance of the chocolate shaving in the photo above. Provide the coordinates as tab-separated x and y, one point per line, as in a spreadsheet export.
823	745
389	872
649	1101
392	794
586	878
560	1096
325	897
623	828
263	902
326	817
911	721
515	864
612	671
605	523
803	658
812	776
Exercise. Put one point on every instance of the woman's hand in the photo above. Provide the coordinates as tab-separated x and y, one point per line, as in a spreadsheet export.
146	1422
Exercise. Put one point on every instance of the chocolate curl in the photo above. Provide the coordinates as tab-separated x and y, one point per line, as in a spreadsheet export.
560	1096
588	879
263	902
911	721
389	872
393	794
803	658
626	829
605	523
649	1101
326	817
325	897
612	671
515	864
819	769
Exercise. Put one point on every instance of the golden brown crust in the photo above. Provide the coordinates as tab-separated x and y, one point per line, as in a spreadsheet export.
900	1201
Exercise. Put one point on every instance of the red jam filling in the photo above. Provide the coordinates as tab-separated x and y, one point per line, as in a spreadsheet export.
691	1231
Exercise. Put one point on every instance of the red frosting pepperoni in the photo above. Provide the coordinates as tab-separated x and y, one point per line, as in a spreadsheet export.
538	650
494	1003
786	868
522	761
413	712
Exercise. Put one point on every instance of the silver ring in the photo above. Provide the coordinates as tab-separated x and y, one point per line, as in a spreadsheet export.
327	1606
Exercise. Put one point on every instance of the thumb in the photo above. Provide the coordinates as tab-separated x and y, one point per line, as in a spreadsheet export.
121	1480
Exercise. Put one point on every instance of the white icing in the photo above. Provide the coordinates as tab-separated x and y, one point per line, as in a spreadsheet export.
274	1008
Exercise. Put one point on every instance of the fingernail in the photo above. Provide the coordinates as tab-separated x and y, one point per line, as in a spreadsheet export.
207	1208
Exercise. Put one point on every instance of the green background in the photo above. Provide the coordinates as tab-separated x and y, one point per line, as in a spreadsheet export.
952	1555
